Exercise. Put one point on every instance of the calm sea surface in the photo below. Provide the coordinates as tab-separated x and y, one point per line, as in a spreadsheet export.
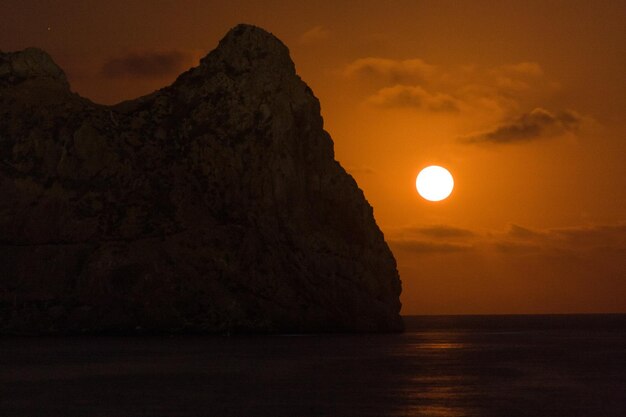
502	366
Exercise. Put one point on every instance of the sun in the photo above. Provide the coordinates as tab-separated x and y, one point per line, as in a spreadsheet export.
434	183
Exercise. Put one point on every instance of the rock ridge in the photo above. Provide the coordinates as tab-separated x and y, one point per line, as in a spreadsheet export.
30	63
212	205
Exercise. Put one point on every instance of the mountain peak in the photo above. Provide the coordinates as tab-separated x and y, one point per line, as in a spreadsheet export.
253	37
30	63
246	47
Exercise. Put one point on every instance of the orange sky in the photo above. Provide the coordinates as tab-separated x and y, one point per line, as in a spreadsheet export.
523	101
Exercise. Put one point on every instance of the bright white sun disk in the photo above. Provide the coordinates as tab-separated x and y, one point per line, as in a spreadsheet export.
434	183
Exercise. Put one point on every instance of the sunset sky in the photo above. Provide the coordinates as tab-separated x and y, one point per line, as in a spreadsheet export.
523	101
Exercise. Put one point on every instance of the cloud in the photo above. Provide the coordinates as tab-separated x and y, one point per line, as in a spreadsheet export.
146	64
600	238
413	97
519	232
521	269
537	124
422	246
488	100
577	242
582	239
316	34
432	239
390	70
517	78
440	231
416	70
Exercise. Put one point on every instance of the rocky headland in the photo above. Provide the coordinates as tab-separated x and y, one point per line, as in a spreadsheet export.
212	205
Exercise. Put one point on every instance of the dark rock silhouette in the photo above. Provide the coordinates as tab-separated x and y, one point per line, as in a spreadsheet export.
212	205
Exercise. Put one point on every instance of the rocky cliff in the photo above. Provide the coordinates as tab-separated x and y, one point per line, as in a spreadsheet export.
212	205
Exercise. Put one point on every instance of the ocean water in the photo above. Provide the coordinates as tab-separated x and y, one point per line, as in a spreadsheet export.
502	366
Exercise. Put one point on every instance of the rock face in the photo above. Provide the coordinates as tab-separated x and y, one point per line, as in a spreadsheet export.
212	205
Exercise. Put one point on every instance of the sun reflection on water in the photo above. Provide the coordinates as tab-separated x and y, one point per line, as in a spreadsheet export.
437	411
440	345
437	389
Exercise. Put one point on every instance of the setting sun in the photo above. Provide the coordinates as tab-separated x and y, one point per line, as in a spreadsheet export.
434	183
432	193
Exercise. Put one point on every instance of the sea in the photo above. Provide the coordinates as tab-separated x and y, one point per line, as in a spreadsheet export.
444	366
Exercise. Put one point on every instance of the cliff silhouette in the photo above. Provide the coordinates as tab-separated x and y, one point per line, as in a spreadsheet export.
212	205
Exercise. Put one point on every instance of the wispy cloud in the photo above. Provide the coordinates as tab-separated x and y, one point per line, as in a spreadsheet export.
423	246
146	64
390	70
518	240
499	102
518	232
413	97
439	231
536	124
602	237
432	239
315	34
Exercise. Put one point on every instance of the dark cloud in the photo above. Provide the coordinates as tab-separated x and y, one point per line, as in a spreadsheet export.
421	246
390	70
575	240
413	97
147	64
590	241
432	239
520	232
534	125
441	231
490	96
600	237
